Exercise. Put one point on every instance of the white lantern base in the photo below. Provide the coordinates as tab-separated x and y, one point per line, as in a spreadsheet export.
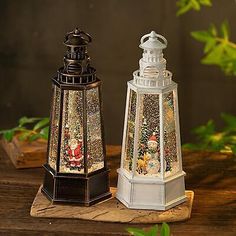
150	193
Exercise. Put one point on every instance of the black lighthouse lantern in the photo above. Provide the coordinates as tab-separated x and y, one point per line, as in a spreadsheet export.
76	169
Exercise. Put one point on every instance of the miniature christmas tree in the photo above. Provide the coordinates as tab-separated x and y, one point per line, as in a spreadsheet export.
143	139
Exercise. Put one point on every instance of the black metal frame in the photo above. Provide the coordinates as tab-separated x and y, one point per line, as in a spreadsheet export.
85	189
77	74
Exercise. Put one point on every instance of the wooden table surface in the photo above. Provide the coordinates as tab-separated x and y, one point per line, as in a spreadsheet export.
211	176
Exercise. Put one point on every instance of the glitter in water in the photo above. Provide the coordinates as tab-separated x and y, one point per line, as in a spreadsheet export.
170	150
94	135
129	145
55	118
148	161
72	153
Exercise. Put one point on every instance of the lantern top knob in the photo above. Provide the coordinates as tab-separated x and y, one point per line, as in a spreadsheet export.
77	38
152	41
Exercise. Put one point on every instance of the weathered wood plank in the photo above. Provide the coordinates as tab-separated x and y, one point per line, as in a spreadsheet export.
111	210
25	154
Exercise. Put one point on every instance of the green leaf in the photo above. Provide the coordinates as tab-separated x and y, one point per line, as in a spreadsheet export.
206	2
24	135
41	123
33	137
44	132
204	130
213	30
233	148
218	51
136	231
229	66
216	142
230	121
4	131
187	5
231	52
190	146
195	5
25	120
153	231
165	230
202	36
8	135
210	139
225	30
209	45
214	57
184	9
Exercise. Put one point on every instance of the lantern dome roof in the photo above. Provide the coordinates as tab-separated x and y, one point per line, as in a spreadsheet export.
153	41
77	38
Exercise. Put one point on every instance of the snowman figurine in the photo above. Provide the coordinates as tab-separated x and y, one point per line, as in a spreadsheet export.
153	146
153	165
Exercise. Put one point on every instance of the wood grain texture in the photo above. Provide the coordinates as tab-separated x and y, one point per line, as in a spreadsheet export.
212	176
25	154
110	211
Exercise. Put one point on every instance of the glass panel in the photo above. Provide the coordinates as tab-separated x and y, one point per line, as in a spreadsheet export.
129	139
170	151
148	161
72	153
55	117
95	155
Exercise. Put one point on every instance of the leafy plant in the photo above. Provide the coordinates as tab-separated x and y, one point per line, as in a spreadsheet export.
29	129
208	138
187	5
153	231
219	50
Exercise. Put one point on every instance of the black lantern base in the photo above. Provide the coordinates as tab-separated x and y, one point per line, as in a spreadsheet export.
82	190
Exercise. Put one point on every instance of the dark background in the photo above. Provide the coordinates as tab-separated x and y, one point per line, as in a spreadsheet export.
31	51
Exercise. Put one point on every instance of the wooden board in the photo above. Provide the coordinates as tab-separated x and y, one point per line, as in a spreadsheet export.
110	211
25	154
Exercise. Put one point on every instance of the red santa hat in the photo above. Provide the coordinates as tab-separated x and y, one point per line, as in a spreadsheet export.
153	138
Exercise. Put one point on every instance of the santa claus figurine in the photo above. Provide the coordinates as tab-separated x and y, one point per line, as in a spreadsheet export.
75	154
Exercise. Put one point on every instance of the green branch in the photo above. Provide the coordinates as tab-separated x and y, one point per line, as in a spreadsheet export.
218	50
210	139
187	5
153	231
28	129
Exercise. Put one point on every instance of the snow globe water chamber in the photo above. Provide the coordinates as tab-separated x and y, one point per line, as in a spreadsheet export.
151	175
76	169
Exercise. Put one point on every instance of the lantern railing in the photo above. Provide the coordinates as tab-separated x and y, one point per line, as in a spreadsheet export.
76	78
158	81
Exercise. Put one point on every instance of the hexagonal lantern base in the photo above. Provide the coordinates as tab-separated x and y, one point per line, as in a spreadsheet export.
146	193
81	190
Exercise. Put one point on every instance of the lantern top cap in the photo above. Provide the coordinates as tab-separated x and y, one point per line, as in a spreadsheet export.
77	38
151	41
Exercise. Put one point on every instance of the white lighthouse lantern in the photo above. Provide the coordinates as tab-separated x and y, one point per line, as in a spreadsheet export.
151	175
